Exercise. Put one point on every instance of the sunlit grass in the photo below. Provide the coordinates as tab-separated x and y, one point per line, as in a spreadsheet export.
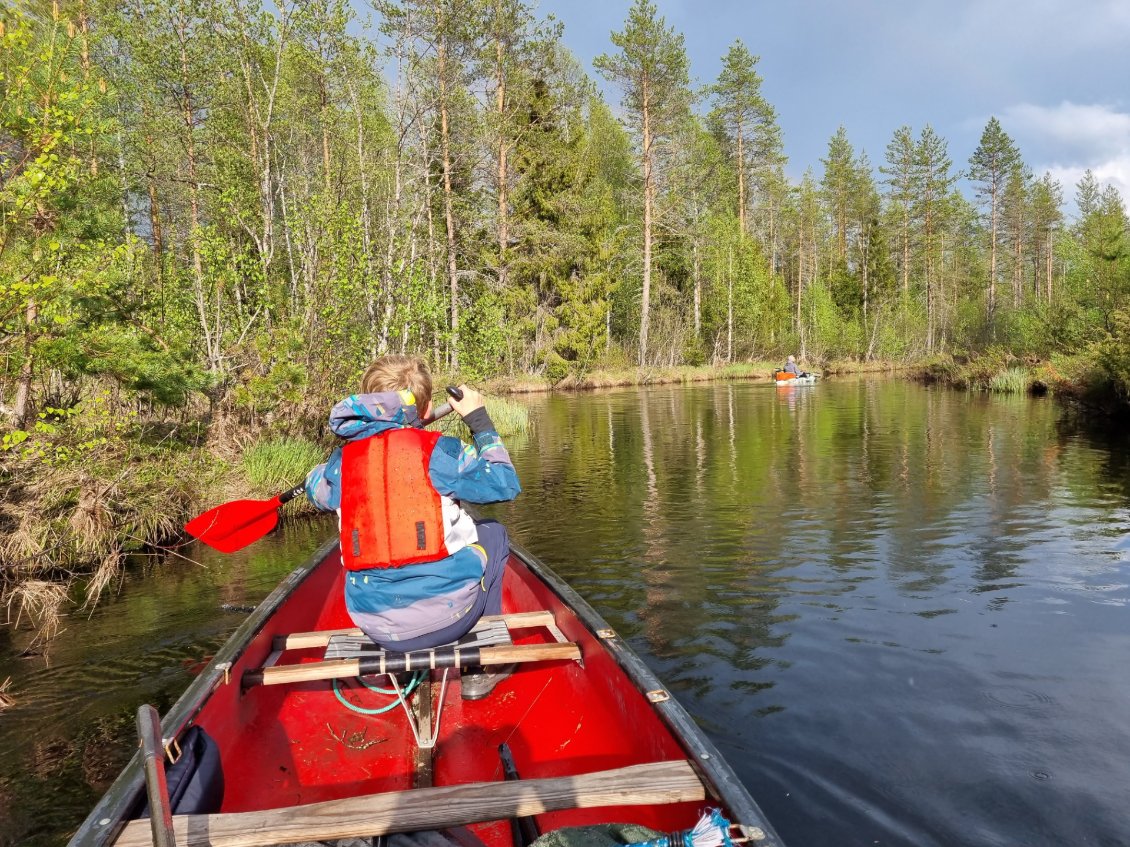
276	464
510	418
1011	381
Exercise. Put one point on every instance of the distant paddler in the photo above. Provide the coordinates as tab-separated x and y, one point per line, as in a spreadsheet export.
790	371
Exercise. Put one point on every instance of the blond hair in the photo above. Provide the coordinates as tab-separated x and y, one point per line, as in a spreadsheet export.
395	373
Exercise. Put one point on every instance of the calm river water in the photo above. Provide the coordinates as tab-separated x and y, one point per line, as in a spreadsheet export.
900	612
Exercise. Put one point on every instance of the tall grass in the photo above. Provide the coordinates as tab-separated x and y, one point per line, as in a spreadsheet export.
1011	381
279	463
510	418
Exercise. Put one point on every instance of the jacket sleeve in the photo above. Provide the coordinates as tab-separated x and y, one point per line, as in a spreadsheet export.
478	473
323	484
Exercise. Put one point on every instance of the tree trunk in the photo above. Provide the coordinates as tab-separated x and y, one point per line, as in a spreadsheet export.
188	108
905	255
154	212
503	217
730	309
22	408
323	108
697	273
993	213
648	191
448	202
1048	256
741	182
1018	257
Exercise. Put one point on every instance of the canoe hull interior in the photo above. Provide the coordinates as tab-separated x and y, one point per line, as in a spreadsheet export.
295	744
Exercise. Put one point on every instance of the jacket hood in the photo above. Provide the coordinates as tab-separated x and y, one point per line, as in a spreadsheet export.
361	415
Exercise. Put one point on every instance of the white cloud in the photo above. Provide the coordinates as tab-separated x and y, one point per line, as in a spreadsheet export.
1071	138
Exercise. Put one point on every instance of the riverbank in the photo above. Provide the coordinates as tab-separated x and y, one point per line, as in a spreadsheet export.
82	492
1082	383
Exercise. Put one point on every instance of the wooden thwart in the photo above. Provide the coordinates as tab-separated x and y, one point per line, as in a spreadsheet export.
393	663
518	620
431	808
488	643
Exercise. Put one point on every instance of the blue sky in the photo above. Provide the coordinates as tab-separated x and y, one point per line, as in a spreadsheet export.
1056	73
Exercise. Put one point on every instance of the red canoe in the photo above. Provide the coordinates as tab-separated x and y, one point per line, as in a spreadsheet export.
592	735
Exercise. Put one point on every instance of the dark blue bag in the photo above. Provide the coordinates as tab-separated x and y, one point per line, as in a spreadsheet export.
196	779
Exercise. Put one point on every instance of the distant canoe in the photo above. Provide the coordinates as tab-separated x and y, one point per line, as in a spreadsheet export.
588	734
784	378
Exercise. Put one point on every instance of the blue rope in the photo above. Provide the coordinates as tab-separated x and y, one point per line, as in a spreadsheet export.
712	830
353	707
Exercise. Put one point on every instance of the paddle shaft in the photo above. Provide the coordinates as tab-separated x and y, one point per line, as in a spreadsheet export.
523	828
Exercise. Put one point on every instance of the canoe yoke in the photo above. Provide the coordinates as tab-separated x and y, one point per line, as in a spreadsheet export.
349	653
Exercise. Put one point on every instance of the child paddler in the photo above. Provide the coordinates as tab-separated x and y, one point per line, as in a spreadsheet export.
419	570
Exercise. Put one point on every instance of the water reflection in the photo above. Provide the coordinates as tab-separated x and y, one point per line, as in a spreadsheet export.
872	594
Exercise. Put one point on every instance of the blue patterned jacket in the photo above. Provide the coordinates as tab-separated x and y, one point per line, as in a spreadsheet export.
394	604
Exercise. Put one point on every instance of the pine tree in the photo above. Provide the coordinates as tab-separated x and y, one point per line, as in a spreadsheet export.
838	186
901	193
1016	225
1047	219
652	70
933	181
989	169
748	121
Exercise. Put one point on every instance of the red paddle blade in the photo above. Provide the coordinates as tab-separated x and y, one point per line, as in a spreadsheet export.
234	525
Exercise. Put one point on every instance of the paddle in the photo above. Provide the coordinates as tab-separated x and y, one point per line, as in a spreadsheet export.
232	526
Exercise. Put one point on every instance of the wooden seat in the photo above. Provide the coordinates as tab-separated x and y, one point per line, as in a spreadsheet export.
430	808
344	663
350	653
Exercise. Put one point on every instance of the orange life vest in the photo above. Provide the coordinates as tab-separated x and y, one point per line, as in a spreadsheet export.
391	514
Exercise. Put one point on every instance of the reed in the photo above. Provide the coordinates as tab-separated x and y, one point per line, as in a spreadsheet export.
275	464
1011	381
6	700
107	573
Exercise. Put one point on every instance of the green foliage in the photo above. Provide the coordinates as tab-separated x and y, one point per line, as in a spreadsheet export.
220	213
1114	353
73	436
